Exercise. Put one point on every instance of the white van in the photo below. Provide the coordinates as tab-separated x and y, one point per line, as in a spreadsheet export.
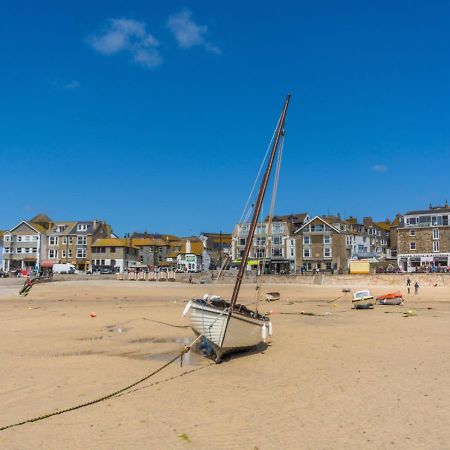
63	268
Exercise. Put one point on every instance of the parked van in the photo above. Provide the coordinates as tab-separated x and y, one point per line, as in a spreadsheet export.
63	268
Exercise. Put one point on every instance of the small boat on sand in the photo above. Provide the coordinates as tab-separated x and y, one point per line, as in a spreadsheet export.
392	298
272	296
363	300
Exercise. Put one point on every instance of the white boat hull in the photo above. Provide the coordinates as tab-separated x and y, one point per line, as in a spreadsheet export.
237	333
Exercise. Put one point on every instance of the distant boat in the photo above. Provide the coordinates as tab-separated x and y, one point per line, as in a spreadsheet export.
228	327
272	296
392	298
363	300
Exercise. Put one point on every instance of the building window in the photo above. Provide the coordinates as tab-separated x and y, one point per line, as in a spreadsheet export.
241	241
19	238
435	246
327	239
328	265
69	253
18	250
412	245
81	240
412	232
64	254
64	240
112	249
307	239
291	251
327	252
261	241
260	253
349	240
307	266
82	227
306	253
53	240
435	233
7	238
277	240
70	240
81	253
52	253
277	252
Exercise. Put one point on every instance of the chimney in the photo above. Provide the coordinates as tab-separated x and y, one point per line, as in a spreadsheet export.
367	221
188	246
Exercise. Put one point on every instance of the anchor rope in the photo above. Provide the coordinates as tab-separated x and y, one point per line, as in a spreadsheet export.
108	396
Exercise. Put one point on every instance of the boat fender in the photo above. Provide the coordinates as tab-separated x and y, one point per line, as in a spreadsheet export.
264	332
270	329
187	308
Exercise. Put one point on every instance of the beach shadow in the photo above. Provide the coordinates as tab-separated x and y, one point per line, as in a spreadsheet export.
260	348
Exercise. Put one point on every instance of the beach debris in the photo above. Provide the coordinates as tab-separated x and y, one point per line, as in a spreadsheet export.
409	313
184	437
346	290
306	313
93	314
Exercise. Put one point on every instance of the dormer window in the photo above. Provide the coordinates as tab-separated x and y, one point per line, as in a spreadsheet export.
82	227
60	228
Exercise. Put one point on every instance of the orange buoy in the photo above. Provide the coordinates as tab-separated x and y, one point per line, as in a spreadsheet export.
93	314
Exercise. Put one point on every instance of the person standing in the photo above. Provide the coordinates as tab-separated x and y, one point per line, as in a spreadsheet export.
416	287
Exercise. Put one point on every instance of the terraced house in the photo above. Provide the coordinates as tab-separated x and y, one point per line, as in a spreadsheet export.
71	242
321	246
153	251
273	244
114	253
424	239
24	245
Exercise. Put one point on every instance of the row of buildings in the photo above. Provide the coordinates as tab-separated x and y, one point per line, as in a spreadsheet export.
416	240
91	245
282	244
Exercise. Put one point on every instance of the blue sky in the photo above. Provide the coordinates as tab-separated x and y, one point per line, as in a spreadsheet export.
155	115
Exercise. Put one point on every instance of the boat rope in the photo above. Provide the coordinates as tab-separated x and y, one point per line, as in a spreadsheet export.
166	323
245	214
108	396
259	279
337	298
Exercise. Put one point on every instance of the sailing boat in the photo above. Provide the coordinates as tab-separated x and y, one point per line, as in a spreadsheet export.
228	327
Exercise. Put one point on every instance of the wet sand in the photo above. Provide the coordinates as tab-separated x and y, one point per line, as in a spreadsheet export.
342	379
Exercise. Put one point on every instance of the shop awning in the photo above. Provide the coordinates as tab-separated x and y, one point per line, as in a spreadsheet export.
47	264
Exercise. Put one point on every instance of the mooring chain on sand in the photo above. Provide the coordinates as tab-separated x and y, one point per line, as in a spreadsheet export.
108	396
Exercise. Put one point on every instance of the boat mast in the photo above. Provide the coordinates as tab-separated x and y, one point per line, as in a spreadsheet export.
259	201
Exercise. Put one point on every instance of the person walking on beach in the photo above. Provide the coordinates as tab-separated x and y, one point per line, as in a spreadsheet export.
416	287
190	279
408	284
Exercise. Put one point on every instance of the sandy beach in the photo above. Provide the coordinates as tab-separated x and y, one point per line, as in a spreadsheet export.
341	379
